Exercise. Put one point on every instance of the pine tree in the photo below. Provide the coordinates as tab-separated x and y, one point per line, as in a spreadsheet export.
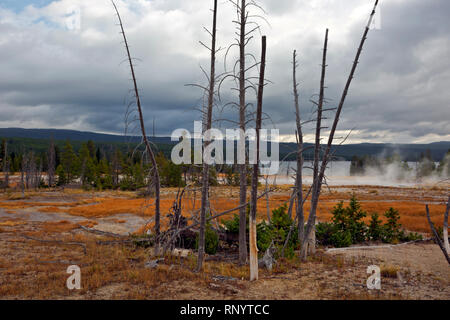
88	168
375	231
70	163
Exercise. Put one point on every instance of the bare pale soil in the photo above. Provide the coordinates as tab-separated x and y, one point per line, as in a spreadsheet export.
32	269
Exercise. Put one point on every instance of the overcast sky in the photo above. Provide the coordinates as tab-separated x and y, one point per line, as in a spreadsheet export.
58	71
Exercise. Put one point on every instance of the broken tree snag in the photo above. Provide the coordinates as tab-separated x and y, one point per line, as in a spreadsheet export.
51	163
299	138
435	234
445	227
5	165
242	120
254	202
207	128
144	135
316	184
246	26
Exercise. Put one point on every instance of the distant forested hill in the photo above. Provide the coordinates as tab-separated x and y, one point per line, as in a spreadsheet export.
38	140
408	152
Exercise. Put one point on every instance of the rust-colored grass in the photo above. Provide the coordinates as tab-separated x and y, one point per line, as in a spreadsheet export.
409	202
26	204
65	226
10	223
51	209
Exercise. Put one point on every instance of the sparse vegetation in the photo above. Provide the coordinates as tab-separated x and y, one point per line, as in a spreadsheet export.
347	227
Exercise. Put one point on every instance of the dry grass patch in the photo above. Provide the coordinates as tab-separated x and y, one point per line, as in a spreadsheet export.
11	223
389	271
65	226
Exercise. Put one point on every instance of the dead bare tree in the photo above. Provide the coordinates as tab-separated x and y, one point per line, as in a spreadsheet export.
28	170
116	167
7	169
22	173
156	178
5	165
308	244
207	139
320	174
51	163
254	202
266	187
38	174
442	244
245	83
173	235
445	227
299	138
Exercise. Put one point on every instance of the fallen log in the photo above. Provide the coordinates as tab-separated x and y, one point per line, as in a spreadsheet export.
101	233
388	246
436	237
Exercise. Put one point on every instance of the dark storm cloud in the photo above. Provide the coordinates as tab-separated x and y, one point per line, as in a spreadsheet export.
54	77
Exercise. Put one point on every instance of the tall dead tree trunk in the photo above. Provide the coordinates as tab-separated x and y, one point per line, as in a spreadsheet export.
22	173
156	178
242	116
51	164
254	202
116	167
5	166
7	174
308	237
244	82
299	138
267	198
205	174
28	173
327	153
445	227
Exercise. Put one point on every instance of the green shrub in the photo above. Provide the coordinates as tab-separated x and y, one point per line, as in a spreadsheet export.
233	224
330	234
264	236
350	219
392	232
324	233
341	238
276	231
171	174
280	219
348	228
375	231
412	236
211	240
61	180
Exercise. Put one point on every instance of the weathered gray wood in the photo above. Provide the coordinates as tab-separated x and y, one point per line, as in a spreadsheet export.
254	203
207	126
445	227
242	119
300	160
307	236
157	182
327	153
436	237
